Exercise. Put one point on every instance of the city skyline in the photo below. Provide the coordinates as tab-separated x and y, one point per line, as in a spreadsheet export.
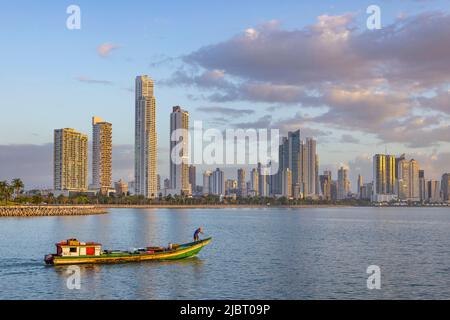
365	116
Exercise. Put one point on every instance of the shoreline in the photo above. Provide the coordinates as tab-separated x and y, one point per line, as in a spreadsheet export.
50	210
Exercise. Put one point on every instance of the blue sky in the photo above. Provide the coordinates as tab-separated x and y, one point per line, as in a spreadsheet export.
42	63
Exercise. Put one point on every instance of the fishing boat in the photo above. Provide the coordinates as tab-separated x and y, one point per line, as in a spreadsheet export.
73	251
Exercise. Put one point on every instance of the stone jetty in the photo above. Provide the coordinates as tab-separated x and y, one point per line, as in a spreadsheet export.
44	211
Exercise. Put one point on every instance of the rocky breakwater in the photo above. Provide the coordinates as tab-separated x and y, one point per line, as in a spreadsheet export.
44	211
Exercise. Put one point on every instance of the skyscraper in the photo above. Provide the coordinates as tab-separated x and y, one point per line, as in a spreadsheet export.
408	180
101	155
310	144
193	178
434	191
254	181
218	182
359	185
445	187
207	182
262	181
293	151
242	190
343	186
70	157
422	186
145	145
179	138
384	177
325	184
287	183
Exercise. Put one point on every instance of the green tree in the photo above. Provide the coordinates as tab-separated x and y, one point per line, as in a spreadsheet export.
17	186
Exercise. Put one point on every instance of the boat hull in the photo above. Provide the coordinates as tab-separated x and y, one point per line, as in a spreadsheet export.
183	251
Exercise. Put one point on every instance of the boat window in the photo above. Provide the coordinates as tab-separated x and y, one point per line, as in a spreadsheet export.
73	249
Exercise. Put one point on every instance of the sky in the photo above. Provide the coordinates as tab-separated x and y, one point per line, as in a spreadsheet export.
241	64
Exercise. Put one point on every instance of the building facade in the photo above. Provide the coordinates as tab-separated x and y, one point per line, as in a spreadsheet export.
70	160
179	151
145	157
101	155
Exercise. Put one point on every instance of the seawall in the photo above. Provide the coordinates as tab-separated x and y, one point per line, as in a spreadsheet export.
45	211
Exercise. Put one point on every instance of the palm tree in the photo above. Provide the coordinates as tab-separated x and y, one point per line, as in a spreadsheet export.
6	191
17	186
3	186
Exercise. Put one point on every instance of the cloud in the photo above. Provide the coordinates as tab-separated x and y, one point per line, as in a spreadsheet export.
348	138
105	49
226	111
88	80
376	82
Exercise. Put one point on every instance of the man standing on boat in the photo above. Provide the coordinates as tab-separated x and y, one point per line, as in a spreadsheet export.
196	233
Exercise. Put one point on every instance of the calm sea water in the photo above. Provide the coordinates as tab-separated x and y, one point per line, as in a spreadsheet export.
319	253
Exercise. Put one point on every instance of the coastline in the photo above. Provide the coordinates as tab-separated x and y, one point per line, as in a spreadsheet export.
50	210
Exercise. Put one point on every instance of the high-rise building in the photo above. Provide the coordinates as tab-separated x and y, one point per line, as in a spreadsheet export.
145	145
242	190
158	183
359	185
445	187
262	181
179	158
230	186
193	178
422	186
414	181
207	182
310	175
408	180
70	152
287	183
101	155
366	191
254	181
384	177
325	184
121	188
317	187
334	190
293	153
343	187
218	182
434	191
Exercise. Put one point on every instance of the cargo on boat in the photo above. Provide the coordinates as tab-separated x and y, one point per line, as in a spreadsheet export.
73	251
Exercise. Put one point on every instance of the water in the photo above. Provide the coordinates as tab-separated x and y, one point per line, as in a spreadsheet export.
317	253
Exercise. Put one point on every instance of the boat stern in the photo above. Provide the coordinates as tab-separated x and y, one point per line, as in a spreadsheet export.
49	258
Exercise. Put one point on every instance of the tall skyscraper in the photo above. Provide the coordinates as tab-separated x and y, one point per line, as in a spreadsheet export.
359	185
101	155
145	145
262	181
293	152
311	166
384	177
434	191
408	180
254	181
218	182
193	178
325	184
445	187
207	182
422	186
179	138
70	157
287	183
343	187
242	189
